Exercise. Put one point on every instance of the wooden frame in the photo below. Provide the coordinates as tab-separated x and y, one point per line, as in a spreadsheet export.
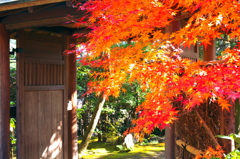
4	93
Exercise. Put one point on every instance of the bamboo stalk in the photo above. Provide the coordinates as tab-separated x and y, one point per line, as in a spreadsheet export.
189	148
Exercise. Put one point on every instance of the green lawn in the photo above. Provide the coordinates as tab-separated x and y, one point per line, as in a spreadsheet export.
101	150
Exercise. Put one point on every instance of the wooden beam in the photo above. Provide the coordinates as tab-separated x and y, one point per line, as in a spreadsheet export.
57	30
4	94
37	23
38	8
28	4
3	14
69	3
54	15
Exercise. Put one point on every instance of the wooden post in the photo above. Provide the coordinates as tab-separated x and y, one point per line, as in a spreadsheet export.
170	142
237	117
170	132
227	126
4	94
72	97
209	52
20	97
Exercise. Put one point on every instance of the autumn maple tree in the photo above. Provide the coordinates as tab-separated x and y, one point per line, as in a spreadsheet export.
152	56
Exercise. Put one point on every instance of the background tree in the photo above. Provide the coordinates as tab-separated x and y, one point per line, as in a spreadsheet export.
117	113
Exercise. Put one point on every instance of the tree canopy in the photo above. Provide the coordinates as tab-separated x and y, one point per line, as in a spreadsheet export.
152	56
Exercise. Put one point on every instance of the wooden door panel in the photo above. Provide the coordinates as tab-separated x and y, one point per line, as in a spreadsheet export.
31	125
43	97
43	124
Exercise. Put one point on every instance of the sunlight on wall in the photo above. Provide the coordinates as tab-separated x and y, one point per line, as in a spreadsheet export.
55	145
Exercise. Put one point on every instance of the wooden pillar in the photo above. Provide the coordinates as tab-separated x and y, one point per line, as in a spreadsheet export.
237	117
72	98
20	96
170	142
209	52
4	94
170	131
227	126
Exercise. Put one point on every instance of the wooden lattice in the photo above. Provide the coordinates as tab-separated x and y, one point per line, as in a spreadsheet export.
198	131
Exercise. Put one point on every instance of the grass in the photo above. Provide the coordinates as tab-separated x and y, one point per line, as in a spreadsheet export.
101	150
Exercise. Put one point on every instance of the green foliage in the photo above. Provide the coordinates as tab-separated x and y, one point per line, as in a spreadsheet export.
117	109
236	138
12	129
233	154
144	142
79	113
122	108
223	43
13	84
83	76
120	147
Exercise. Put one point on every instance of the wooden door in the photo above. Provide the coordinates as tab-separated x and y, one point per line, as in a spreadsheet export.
41	110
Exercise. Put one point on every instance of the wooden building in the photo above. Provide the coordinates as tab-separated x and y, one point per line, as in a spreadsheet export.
199	127
46	78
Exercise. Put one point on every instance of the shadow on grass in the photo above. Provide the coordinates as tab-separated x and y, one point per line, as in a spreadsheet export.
134	155
108	146
100	150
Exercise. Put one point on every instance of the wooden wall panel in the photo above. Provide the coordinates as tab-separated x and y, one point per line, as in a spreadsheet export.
191	53
43	46
43	74
43	50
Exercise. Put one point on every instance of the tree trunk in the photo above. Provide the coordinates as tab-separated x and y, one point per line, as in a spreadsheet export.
99	137
91	127
85	123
